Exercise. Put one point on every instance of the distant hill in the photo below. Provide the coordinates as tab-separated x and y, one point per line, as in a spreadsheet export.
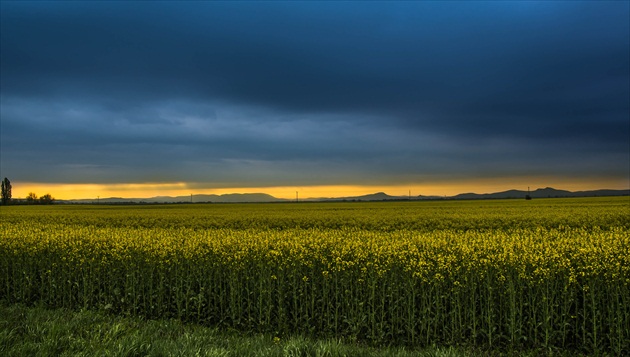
226	198
547	192
379	196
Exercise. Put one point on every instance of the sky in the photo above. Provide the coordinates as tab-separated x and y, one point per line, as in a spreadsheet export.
138	99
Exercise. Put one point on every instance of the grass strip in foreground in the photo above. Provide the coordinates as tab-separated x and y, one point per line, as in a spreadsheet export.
37	331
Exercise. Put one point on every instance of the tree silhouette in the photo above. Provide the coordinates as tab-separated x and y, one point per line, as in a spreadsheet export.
31	198
46	199
6	191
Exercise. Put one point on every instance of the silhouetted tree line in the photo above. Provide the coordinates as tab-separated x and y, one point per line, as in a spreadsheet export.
31	199
46	199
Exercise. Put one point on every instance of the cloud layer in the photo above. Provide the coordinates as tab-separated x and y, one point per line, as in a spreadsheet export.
281	93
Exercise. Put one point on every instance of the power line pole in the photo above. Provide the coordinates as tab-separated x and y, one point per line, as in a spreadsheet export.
296	197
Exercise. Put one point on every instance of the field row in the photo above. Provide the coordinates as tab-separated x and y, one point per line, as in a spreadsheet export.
377	216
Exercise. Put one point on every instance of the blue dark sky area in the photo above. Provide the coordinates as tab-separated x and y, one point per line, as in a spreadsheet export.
254	94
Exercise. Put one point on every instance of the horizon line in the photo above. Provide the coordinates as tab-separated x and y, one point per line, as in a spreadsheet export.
70	192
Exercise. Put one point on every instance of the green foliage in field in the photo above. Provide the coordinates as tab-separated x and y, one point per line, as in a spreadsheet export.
514	275
36	331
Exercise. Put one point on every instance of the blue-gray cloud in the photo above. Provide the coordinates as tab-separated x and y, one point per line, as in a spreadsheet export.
307	93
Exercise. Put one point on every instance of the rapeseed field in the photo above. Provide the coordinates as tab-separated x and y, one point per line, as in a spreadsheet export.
512	275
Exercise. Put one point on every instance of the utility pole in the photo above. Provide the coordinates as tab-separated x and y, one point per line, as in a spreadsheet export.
191	198
296	197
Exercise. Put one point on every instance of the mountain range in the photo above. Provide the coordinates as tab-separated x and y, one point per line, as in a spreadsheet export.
547	192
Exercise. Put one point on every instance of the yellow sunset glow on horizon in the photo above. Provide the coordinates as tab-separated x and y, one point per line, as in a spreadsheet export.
72	191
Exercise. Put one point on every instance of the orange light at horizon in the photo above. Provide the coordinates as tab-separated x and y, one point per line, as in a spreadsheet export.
147	190
93	191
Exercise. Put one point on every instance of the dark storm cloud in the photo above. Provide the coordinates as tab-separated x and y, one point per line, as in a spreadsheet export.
115	91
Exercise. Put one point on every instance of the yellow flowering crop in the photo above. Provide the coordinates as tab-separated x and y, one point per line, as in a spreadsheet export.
518	274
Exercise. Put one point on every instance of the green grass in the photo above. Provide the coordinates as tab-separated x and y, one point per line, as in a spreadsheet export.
37	331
